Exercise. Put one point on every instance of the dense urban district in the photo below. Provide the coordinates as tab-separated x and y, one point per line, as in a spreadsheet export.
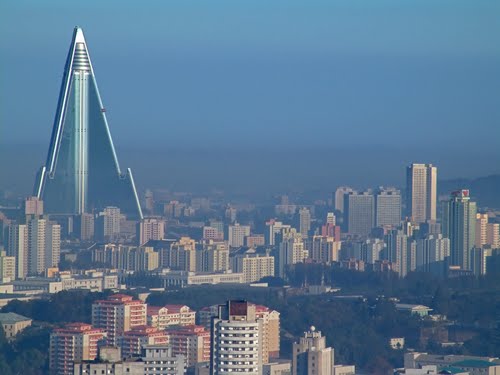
97	278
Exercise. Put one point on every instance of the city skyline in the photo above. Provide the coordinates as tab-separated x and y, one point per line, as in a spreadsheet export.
316	187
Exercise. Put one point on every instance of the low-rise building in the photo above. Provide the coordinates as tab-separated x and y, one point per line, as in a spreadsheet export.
13	323
171	278
469	364
420	310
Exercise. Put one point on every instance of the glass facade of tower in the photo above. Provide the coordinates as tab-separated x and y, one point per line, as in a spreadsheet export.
82	173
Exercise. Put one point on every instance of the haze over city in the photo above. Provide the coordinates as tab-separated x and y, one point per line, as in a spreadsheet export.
345	92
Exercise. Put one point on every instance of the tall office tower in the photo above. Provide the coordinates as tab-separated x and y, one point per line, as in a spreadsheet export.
33	206
236	335
421	191
82	173
237	234
193	342
359	213
291	251
481	230
310	356
387	207
459	225
150	229
118	314
276	231
108	224
305	221
44	245
339	197
84	227
325	249
433	252
402	251
73	343
7	267
17	246
254	266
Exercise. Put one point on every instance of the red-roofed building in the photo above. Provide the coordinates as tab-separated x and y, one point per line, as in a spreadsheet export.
74	342
132	341
170	315
193	342
117	315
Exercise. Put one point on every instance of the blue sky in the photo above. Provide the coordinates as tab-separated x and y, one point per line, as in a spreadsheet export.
417	79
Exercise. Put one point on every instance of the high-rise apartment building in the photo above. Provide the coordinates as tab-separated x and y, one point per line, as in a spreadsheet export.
359	213
236	335
459	225
433	253
84	226
33	206
108	224
150	229
212	257
311	356
182	255
401	251
17	246
253	265
421	190
44	245
118	314
481	230
7	267
132	342
325	249
276	230
237	234
291	251
82	171
129	258
192	342
339	197
387	207
75	342
372	250
493	235
304	221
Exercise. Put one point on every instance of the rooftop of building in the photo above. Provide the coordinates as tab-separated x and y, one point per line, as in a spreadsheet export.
477	363
11	318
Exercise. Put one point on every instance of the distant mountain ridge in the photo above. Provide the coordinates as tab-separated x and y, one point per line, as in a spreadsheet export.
485	190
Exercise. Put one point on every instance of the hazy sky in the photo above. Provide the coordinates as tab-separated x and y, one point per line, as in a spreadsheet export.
367	81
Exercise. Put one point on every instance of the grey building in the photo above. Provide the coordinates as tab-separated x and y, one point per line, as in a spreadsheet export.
459	225
359	213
